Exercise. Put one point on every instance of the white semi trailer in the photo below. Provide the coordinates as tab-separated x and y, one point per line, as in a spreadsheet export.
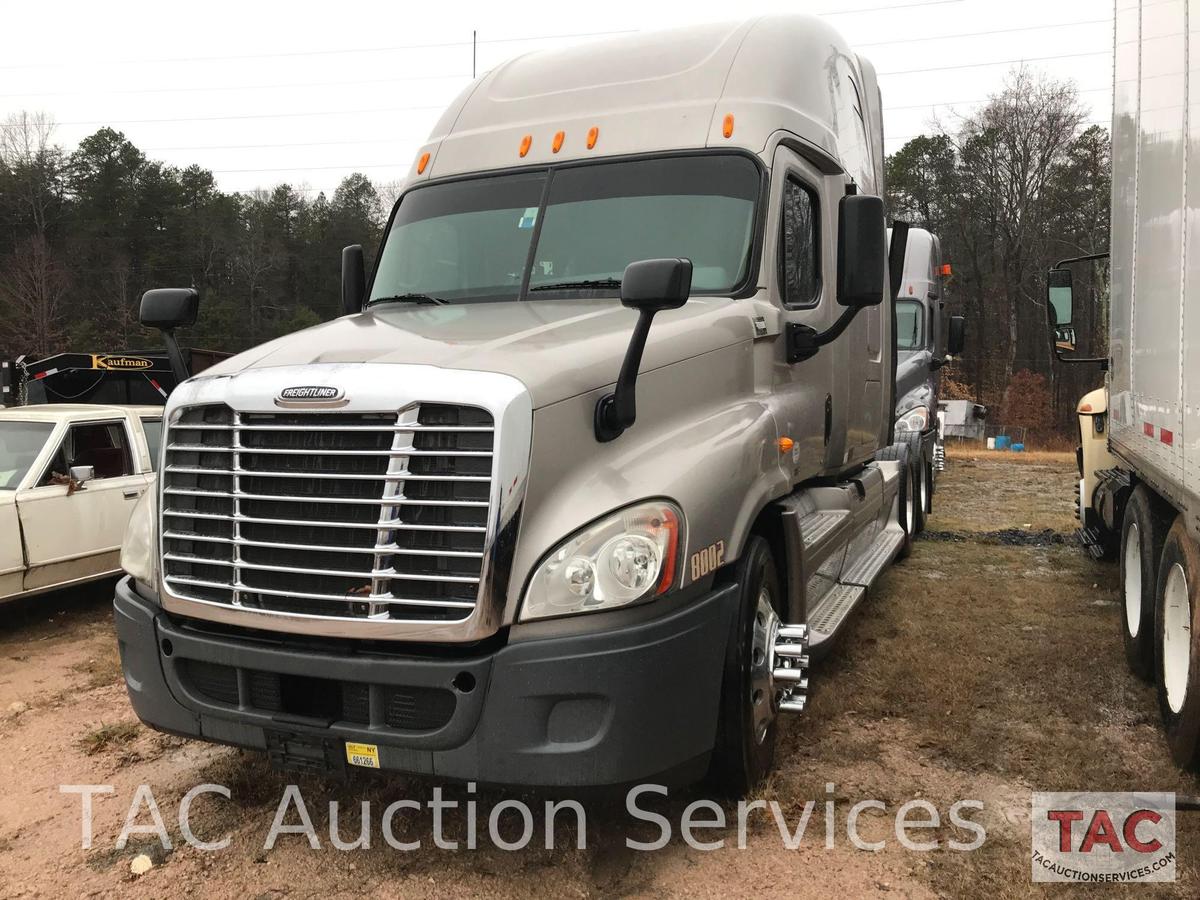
1140	462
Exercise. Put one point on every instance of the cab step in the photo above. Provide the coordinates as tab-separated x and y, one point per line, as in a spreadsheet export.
835	607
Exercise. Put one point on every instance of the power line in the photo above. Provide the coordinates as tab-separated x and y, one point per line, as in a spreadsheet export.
980	100
999	62
971	34
331	112
243	87
431	45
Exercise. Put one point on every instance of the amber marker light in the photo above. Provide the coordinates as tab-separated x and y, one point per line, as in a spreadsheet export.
422	163
557	143
946	270
786	444
526	143
593	136
727	127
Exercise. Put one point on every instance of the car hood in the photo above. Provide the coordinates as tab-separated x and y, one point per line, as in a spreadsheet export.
556	348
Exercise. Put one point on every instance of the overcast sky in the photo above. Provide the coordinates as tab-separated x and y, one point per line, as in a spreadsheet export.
308	92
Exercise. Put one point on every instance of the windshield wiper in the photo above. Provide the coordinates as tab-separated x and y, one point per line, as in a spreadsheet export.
585	285
410	298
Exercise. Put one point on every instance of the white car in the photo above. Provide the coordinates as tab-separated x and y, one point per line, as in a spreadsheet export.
69	477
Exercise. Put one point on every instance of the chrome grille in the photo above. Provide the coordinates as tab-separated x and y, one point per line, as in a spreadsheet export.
353	515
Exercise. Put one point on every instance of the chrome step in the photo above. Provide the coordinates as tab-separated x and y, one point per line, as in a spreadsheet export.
832	611
789	667
863	571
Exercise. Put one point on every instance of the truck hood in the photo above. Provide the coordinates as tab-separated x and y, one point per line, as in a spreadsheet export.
556	348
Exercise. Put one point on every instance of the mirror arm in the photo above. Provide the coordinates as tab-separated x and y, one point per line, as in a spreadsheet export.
175	355
803	342
1101	361
617	411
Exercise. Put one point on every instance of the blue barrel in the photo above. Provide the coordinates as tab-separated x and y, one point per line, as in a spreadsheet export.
1018	448
1003	442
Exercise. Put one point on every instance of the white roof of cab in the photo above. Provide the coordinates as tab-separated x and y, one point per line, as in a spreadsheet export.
656	91
57	412
922	255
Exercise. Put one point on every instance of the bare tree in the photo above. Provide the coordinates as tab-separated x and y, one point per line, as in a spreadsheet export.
35	163
32	287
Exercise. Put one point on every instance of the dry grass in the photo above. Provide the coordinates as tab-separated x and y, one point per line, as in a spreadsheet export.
109	737
977	451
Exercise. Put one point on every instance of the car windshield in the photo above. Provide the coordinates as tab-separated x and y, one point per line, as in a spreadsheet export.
20	443
471	240
910	325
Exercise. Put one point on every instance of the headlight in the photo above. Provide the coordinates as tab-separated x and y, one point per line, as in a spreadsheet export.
625	557
916	419
139	552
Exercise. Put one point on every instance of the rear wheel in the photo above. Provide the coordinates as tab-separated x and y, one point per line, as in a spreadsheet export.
747	728
1143	531
1177	619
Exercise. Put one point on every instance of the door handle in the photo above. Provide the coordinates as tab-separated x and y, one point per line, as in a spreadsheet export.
131	495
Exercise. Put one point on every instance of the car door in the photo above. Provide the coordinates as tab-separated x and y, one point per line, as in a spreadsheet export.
22	444
74	531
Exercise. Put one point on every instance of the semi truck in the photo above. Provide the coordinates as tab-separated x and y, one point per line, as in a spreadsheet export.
596	459
925	340
1139	459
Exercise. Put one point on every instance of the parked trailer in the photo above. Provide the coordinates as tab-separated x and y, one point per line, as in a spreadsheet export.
1140	436
587	470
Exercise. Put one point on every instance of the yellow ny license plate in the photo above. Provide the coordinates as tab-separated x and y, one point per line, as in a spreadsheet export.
366	755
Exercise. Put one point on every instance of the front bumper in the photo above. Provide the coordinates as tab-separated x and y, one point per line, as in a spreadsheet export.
600	708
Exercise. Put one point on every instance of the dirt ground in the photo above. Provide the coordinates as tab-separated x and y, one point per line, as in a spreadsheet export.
987	666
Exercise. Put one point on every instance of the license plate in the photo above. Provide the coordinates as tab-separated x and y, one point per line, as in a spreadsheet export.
365	755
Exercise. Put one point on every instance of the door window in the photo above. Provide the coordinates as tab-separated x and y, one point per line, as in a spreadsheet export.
102	445
799	248
153	431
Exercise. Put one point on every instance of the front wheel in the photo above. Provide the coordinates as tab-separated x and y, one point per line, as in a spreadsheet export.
747	729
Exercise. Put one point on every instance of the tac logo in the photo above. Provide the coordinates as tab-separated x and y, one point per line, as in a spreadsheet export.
1103	838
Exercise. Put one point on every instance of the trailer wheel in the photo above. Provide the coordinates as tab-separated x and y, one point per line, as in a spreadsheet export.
747	727
1177	621
1143	531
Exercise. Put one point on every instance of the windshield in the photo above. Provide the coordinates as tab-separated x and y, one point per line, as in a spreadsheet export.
910	325
471	240
20	443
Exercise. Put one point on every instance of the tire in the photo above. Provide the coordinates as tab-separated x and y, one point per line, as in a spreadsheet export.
1177	622
747	731
1144	529
923	485
900	453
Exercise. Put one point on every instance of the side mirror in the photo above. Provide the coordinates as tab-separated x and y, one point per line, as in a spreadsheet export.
82	474
1060	300
649	286
165	308
956	336
861	251
656	284
354	279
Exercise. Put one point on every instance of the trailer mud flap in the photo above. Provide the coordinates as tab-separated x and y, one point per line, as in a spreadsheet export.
306	754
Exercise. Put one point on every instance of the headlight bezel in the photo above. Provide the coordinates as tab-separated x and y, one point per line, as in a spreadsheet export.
543	600
913	416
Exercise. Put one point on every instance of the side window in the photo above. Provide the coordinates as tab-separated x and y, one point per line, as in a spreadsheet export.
153	431
800	245
102	445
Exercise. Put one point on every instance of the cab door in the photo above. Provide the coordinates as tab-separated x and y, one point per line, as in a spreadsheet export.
811	394
71	531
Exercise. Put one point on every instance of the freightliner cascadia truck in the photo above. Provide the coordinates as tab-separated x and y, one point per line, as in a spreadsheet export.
1139	461
590	465
925	339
